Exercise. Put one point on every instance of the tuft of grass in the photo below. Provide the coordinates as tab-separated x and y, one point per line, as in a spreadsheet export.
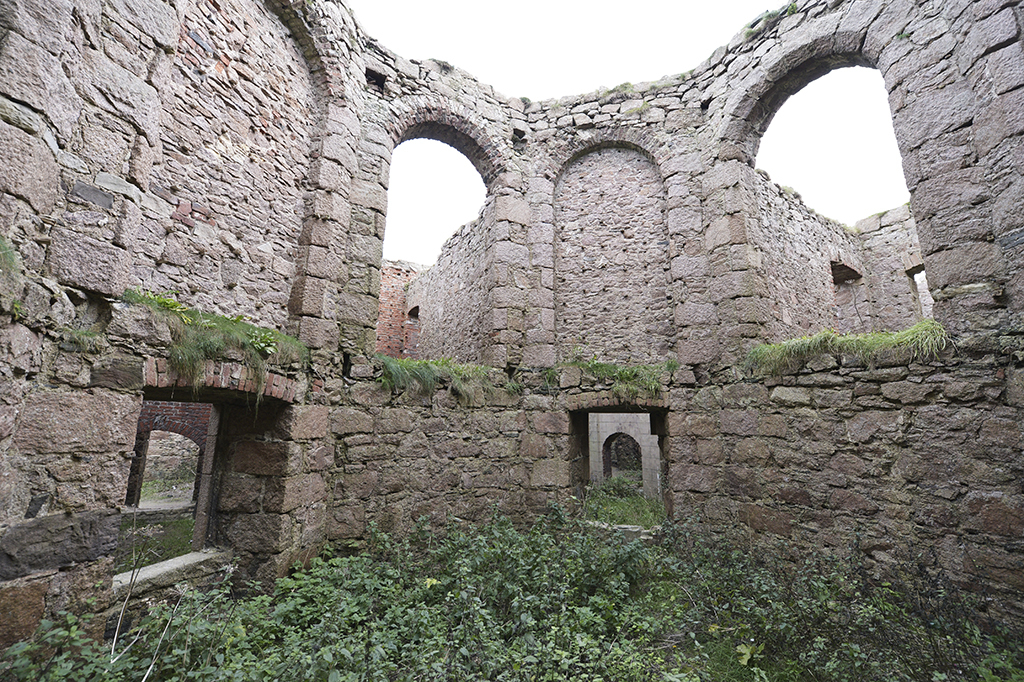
470	384
924	340
619	502
628	381
200	336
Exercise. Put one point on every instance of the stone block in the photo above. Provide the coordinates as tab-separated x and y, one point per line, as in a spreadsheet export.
395	420
791	395
304	422
739	422
346	420
995	513
307	296
934	112
23	600
258	533
969	264
240	493
34	177
122	93
285	494
767	520
513	209
61	422
693	478
32	75
265	458
550	422
552	472
87	263
58	540
850	501
730	229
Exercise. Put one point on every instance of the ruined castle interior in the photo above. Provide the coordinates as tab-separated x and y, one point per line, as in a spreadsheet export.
238	153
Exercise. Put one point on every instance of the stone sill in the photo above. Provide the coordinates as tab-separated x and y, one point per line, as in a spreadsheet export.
188	568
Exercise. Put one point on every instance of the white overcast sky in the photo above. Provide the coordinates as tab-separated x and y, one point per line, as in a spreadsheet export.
832	142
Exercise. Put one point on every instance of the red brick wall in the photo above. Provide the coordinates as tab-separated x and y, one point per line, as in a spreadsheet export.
397	335
188	419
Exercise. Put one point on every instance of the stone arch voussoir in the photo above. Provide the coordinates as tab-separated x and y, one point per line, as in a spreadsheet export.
637	140
783	71
453	123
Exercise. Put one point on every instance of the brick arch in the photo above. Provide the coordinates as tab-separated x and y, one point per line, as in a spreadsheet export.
190	420
454	124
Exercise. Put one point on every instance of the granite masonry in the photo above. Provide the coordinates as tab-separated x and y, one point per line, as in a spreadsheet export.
238	154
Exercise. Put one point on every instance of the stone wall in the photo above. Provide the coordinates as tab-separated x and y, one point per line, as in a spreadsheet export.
611	258
454	297
397	333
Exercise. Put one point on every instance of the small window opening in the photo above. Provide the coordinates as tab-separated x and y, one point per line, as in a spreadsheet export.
922	294
171	467
375	79
842	273
414	314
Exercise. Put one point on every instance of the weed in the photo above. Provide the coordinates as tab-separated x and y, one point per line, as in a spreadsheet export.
470	384
628	381
792	9
199	336
644	106
618	501
924	340
553	602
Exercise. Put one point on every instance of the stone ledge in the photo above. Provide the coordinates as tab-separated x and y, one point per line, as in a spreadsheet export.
185	568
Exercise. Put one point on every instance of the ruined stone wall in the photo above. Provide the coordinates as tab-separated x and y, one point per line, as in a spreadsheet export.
454	297
235	148
794	248
393	324
144	148
919	457
892	255
611	259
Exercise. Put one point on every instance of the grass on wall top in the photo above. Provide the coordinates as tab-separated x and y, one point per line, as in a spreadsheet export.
199	336
923	341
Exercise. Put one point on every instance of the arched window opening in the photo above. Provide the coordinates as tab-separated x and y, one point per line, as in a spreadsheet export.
834	143
433	190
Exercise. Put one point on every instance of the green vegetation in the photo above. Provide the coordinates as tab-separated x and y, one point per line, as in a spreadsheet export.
618	501
922	341
555	602
200	336
644	106
792	9
470	384
140	546
627	382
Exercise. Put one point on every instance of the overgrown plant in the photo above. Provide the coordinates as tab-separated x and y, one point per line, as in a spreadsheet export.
200	336
925	340
470	384
554	602
619	501
629	381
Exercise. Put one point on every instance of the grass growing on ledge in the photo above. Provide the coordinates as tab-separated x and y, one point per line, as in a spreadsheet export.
618	501
627	381
200	336
470	384
922	341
